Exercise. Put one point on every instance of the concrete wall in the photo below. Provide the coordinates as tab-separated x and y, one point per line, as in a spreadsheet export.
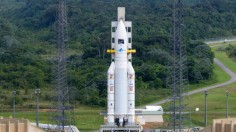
224	125
207	129
15	125
153	118
143	119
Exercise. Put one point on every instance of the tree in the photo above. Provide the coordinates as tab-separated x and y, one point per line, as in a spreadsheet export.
28	3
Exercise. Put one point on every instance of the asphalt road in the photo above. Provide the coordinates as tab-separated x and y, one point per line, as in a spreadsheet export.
223	40
223	67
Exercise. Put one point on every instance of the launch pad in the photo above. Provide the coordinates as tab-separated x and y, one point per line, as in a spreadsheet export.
115	128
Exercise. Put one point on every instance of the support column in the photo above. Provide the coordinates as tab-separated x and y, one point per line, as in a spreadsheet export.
27	126
222	126
213	126
231	126
17	125
8	126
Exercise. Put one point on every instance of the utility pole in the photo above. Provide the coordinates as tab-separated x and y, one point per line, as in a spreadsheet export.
14	102
37	92
227	95
206	93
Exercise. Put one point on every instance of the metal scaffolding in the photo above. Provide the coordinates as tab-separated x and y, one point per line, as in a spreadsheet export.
61	105
178	81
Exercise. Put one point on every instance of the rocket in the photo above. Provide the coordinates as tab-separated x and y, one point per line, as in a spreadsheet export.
121	74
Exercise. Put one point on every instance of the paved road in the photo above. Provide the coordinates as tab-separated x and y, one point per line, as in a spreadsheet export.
227	70
219	41
216	61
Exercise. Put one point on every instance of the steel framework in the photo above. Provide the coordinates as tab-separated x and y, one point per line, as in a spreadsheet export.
61	104
178	81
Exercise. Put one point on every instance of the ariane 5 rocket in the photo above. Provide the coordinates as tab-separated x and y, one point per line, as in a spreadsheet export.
121	74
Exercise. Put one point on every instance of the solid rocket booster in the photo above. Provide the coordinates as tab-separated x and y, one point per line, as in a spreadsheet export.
121	75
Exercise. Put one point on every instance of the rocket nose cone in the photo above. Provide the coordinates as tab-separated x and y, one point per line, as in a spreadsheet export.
121	24
121	40
121	27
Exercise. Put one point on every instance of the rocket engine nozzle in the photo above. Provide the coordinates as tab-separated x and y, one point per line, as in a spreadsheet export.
123	121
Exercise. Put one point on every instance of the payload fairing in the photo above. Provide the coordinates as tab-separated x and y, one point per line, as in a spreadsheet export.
121	74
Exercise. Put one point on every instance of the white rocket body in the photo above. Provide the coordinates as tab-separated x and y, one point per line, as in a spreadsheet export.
121	78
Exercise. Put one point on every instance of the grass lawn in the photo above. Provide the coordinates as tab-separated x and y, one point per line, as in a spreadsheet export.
216	103
216	99
228	62
86	118
219	76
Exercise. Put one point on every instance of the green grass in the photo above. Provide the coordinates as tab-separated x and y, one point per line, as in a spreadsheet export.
153	95
228	62
219	76
86	118
30	115
216	101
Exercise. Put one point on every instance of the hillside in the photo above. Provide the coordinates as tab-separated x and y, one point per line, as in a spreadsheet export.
28	39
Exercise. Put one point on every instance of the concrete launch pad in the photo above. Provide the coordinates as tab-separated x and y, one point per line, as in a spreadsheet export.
126	128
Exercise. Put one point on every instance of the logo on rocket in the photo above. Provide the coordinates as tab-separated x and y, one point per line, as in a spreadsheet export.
121	50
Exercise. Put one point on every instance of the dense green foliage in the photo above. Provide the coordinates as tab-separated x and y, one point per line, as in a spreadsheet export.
27	42
231	51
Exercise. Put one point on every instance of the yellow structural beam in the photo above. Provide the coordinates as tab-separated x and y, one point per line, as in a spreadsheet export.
131	51
111	51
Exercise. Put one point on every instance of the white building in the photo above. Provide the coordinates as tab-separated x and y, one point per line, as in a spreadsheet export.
151	114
